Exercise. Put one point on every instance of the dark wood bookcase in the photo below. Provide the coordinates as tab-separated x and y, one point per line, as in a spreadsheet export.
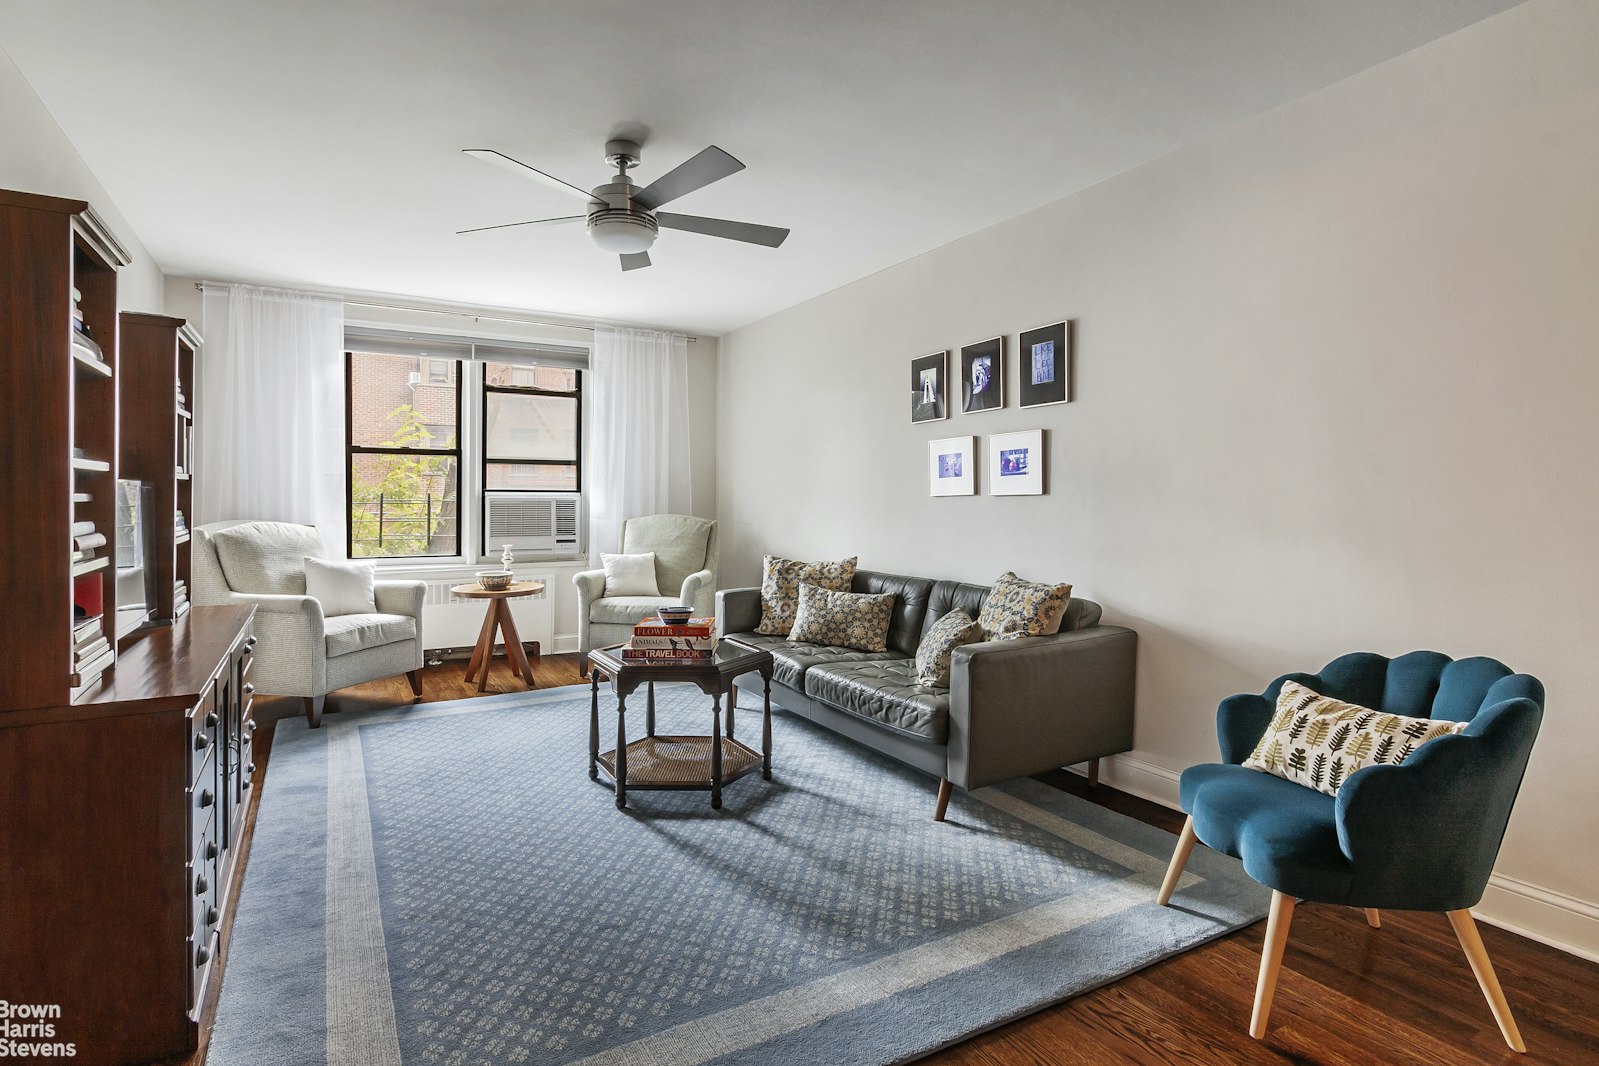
158	355
58	458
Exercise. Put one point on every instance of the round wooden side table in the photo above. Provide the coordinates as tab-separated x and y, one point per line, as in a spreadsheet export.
498	617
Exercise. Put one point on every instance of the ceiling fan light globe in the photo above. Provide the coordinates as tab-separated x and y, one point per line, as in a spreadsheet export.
621	235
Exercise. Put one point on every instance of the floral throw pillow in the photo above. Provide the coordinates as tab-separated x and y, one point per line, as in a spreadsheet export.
932	654
780	584
843	619
1318	742
1016	608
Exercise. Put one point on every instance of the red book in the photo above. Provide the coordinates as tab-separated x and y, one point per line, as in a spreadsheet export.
694	627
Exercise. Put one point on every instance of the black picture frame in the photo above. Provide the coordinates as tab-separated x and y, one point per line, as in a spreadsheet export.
930	388
983	376
1044	365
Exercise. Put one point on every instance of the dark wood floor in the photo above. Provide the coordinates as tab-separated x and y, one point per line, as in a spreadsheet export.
1348	993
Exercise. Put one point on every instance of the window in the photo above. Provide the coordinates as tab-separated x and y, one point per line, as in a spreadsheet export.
402	420
532	419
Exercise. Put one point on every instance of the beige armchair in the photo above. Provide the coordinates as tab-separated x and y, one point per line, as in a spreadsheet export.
299	651
685	572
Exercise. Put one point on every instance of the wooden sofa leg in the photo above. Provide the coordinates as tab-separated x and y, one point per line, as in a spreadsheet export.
943	799
1271	961
415	677
1093	773
313	710
1179	859
1373	917
583	667
1487	980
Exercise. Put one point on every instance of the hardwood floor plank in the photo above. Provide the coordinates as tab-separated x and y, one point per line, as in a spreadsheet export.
1349	995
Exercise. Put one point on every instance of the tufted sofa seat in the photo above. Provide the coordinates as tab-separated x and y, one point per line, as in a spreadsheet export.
1012	708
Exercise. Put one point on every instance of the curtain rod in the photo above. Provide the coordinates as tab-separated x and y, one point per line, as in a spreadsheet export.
351	301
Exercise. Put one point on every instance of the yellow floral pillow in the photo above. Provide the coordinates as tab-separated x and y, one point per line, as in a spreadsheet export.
780	584
843	619
1017	608
1318	742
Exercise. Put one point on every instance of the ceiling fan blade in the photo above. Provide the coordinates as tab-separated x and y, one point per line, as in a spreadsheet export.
748	232
712	164
534	222
635	260
515	166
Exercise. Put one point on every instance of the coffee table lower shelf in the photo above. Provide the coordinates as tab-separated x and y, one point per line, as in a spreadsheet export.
680	763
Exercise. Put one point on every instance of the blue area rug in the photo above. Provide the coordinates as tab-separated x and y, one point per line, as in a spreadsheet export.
443	884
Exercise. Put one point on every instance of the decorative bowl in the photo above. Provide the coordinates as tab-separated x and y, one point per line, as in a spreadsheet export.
494	580
676	616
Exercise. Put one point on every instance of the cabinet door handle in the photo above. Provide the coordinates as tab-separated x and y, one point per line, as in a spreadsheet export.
202	955
200	885
211	850
249	641
206	798
211	720
201	743
211	915
249	687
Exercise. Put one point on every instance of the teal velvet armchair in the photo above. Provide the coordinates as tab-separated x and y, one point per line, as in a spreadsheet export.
1422	835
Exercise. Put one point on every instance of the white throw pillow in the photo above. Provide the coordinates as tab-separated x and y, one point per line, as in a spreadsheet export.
341	588
630	575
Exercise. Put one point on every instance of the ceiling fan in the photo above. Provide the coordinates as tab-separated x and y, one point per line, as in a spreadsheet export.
625	219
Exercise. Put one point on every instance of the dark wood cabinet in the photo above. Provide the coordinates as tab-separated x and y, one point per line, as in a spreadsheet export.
119	840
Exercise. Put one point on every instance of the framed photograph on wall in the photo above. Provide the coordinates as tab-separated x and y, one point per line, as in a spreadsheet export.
983	376
930	387
1045	366
949	466
1016	463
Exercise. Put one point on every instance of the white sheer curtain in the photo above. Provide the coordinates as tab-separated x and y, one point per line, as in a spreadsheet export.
271	417
638	449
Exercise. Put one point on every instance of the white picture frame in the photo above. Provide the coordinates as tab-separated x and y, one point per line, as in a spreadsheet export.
950	463
1016	463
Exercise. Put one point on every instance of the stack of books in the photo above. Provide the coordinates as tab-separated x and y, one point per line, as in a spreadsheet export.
85	539
180	597
181	525
91	652
88	350
655	641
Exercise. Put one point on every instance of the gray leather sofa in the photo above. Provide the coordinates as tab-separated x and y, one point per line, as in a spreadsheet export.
1013	708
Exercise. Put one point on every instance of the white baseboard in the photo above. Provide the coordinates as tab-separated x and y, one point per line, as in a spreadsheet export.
1537	913
563	643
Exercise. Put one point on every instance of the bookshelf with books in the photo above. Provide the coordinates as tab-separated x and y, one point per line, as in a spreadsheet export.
58	404
158	356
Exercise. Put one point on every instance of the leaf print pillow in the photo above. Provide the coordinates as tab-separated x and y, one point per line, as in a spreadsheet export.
1317	741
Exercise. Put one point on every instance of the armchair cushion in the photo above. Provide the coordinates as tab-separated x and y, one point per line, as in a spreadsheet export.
267	557
1318	741
630	575
681	543
626	610
341	587
348	633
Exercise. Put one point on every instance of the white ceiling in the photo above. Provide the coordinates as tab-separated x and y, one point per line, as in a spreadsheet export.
317	143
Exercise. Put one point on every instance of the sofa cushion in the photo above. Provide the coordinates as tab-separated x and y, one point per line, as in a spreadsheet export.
357	632
780	583
885	692
267	558
626	610
842	619
791	659
1017	608
948	633
910	605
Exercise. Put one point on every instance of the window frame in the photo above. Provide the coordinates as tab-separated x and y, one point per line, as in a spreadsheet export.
351	450
484	459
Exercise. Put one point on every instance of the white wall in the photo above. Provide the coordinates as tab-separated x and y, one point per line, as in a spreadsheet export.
35	156
1335	381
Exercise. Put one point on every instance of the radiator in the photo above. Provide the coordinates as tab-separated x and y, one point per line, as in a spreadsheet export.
448	621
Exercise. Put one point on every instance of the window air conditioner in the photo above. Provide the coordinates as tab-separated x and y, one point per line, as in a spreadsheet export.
414	378
528	522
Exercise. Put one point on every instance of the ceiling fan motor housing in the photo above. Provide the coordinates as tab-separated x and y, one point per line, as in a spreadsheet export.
615	223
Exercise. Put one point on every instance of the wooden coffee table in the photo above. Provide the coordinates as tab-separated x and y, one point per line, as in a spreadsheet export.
499	617
679	762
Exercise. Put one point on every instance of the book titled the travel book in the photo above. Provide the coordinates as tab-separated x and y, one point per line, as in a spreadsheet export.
657	655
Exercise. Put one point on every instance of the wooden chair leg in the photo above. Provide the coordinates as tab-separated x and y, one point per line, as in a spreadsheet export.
1487	980
415	677
943	799
313	710
1271	961
1179	859
1093	773
1373	917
